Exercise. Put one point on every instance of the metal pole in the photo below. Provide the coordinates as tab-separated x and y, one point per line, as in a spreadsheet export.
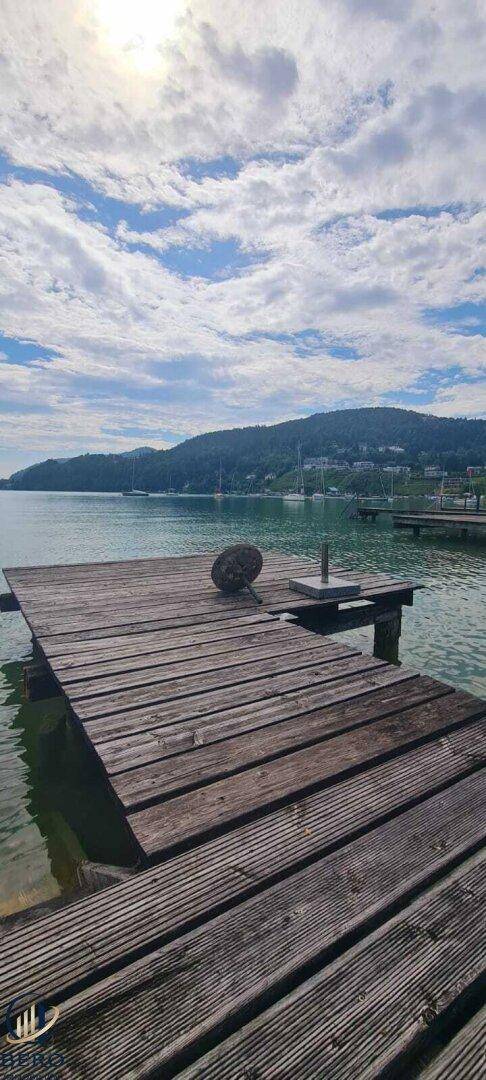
324	561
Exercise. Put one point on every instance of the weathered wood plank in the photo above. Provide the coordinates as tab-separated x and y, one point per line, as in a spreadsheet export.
217	805
368	1009
275	598
61	572
465	1056
218	973
59	950
151	610
165	688
195	585
170	582
75	653
202	704
353	701
57	644
166	652
191	620
282	642
379	735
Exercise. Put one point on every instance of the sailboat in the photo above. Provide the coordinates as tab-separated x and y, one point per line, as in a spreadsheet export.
299	494
389	498
133	491
218	494
318	496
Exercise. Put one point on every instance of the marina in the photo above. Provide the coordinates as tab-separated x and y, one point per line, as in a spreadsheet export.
274	782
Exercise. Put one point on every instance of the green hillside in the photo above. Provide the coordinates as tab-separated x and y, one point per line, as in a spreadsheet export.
248	455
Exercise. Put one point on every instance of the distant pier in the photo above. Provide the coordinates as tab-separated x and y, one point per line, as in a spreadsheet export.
460	521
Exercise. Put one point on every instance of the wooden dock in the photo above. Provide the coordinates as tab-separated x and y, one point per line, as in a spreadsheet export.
455	521
312	817
460	521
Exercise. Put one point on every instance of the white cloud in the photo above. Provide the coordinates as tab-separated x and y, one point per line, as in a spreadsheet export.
336	116
463	399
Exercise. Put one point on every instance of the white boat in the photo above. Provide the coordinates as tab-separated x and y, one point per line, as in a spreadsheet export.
133	492
299	494
219	493
319	496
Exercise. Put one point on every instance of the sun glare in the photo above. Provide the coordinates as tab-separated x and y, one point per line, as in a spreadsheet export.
137	28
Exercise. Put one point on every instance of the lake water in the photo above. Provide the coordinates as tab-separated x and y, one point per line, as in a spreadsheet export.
51	824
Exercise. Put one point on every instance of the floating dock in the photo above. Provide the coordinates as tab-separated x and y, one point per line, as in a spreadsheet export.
310	816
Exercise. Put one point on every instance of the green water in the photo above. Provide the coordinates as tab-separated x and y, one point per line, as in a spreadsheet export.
51	823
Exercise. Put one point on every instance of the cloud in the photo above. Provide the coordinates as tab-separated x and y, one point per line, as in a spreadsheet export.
331	152
383	9
463	399
269	71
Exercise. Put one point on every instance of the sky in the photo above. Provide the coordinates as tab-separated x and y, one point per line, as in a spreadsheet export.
215	213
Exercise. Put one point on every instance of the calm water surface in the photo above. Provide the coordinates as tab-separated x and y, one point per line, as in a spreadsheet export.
51	824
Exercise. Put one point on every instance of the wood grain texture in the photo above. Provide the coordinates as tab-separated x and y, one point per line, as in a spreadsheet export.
465	1056
292	794
82	939
300	717
366	1012
323	757
184	664
217	805
198	704
163	1004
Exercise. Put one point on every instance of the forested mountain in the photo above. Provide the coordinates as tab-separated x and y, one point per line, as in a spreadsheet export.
345	435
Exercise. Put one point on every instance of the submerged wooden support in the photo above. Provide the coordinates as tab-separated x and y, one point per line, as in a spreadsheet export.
8	602
386	621
388	627
50	743
39	682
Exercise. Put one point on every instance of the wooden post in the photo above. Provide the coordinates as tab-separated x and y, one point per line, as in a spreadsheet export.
39	683
416	530
388	626
324	561
8	602
51	741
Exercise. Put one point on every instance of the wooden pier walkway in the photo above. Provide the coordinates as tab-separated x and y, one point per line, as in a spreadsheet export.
313	818
459	521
